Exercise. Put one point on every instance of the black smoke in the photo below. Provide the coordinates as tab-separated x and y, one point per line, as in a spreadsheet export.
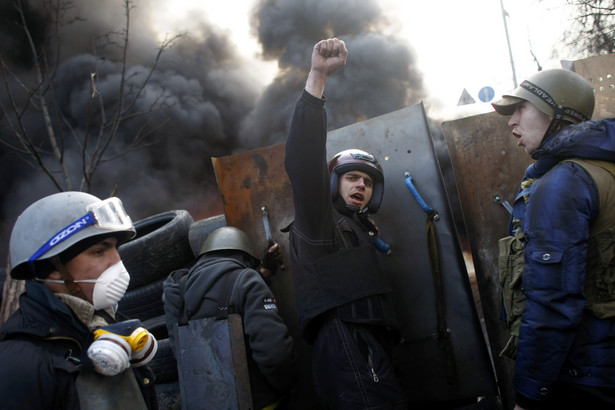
380	76
217	108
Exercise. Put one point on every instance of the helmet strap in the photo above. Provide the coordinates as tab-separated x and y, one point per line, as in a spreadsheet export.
556	121
69	282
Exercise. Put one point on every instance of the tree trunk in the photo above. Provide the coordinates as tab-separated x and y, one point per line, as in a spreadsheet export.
10	296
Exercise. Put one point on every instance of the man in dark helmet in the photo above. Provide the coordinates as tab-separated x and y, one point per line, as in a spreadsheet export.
224	276
343	297
557	266
64	348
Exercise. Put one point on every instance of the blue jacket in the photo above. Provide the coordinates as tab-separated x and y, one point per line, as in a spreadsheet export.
559	340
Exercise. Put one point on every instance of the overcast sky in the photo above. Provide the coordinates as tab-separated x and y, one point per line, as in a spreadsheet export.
459	44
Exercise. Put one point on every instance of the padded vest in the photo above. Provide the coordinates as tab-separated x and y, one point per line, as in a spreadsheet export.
342	278
600	268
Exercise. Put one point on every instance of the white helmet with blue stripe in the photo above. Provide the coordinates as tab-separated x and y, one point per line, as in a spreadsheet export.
57	222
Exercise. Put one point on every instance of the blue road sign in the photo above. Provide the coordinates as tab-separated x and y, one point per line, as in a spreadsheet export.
486	94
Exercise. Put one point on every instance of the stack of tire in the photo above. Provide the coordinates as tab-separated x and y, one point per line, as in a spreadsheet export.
163	243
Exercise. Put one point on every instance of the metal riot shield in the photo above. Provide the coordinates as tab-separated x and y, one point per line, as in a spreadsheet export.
599	72
212	364
444	356
99	392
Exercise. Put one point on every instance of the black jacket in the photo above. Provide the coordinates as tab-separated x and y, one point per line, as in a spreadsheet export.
335	268
270	350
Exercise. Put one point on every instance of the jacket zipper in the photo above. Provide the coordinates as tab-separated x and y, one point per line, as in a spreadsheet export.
370	363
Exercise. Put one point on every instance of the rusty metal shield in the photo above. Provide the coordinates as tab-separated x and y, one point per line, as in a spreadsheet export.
601	75
247	182
487	165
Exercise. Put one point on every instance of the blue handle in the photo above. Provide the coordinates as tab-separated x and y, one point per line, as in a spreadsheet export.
417	196
380	245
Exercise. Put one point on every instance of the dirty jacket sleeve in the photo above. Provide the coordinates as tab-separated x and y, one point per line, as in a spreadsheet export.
556	224
270	342
306	166
172	303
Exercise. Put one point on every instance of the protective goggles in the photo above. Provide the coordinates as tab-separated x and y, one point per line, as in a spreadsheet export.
108	215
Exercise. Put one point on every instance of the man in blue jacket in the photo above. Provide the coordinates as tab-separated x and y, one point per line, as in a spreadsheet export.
557	265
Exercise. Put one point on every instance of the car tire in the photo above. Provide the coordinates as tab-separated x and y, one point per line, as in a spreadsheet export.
160	246
144	302
200	230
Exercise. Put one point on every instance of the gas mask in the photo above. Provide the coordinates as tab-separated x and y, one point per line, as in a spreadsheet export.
121	345
110	286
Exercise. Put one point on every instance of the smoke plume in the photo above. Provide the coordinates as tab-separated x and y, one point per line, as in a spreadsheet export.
217	108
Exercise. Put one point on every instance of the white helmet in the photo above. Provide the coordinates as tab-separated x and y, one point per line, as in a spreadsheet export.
57	222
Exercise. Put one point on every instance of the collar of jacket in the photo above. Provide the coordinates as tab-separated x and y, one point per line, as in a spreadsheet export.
43	315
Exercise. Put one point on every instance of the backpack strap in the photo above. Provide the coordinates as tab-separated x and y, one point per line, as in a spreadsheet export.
227	309
182	320
606	165
224	309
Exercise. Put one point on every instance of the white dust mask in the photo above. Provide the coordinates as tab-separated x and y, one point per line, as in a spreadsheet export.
110	286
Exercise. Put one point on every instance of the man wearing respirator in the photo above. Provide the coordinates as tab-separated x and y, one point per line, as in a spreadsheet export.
64	346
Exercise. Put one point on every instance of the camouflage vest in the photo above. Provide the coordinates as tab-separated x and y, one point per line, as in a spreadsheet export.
600	267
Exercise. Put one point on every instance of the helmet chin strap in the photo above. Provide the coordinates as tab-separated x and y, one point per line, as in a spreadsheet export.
344	208
556	121
558	110
69	282
353	208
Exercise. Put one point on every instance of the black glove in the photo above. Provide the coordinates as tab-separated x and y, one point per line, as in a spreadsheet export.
269	261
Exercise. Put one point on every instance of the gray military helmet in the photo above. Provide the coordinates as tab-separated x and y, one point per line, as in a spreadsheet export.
549	90
54	224
228	238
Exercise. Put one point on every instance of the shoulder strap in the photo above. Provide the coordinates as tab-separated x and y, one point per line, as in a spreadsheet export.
225	310
606	165
603	175
183	315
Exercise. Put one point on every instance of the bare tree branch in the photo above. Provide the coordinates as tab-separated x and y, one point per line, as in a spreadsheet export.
593	31
98	130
